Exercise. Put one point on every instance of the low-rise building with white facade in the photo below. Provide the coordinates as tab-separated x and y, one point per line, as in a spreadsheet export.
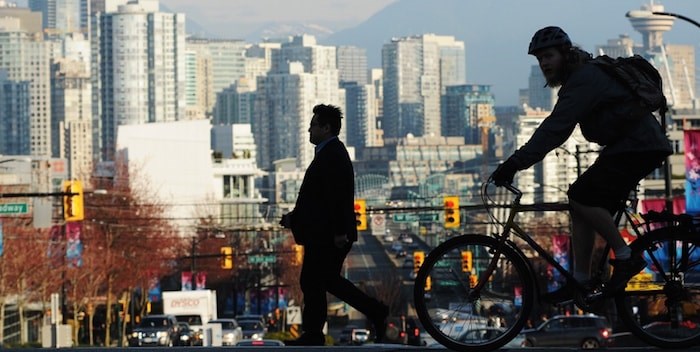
191	175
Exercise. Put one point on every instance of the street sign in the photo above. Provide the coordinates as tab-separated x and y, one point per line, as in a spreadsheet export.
260	259
405	218
422	217
378	224
294	315
14	208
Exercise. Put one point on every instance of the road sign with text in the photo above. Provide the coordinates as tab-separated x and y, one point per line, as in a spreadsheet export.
14	208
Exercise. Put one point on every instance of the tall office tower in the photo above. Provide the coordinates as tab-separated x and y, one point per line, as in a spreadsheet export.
139	69
303	74
234	105
71	108
417	71
224	64
14	116
199	88
376	79
360	114
90	7
468	112
258	61
676	63
539	95
58	16
25	57
29	21
622	46
352	64
71	111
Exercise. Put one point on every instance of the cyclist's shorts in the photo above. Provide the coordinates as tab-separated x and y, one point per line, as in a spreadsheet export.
611	178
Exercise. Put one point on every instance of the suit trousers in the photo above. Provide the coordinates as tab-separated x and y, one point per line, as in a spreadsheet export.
320	273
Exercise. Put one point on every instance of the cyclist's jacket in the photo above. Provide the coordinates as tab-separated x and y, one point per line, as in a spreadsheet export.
605	111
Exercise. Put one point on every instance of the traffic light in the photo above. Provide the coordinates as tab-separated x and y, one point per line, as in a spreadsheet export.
473	279
418	258
428	283
226	257
451	212
298	257
466	261
361	214
73	209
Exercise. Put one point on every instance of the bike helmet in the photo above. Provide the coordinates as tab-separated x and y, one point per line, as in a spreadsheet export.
548	37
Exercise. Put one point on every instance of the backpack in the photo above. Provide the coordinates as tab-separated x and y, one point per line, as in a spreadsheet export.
640	77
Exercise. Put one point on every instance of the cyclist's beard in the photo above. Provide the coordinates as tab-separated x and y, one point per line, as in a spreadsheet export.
558	78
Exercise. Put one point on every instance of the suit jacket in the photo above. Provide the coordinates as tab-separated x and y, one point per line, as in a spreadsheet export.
325	205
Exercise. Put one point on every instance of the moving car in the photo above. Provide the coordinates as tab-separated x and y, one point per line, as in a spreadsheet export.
252	329
584	331
186	335
231	332
155	330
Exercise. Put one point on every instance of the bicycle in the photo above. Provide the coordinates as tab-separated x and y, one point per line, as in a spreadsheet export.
661	305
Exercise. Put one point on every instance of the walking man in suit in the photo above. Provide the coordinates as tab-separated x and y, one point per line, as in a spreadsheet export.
323	221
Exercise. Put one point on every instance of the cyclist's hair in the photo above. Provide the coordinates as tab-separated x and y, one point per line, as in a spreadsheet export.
329	115
573	57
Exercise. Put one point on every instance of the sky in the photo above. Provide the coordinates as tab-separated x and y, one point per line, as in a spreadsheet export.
237	18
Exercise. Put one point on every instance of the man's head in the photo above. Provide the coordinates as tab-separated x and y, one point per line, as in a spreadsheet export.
552	47
325	123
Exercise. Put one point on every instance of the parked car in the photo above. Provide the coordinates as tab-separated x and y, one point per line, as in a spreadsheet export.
407	262
260	343
155	330
231	332
584	331
186	335
252	329
396	246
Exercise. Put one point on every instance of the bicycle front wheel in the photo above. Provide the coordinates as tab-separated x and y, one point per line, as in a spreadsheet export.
459	317
661	305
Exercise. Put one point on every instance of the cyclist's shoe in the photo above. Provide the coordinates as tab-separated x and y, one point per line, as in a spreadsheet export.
623	270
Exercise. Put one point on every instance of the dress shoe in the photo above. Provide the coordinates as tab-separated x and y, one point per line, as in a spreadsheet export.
307	340
379	323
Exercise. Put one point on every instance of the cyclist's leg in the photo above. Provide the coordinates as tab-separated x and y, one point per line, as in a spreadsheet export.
583	238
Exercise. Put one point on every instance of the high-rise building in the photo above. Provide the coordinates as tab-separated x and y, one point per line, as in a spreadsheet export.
138	68
360	114
14	116
417	71
303	75
58	16
675	62
219	64
258	61
29	20
234	105
376	80
90	7
71	111
539	95
352	64
25	57
468	112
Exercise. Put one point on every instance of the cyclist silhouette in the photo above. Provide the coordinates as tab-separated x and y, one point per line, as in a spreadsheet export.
607	113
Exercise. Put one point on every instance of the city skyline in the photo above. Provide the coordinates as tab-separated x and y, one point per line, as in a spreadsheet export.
504	37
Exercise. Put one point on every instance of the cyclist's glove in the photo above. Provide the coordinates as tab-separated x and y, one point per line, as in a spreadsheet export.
504	173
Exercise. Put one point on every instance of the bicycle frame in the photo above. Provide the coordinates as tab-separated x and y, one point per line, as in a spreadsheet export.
512	228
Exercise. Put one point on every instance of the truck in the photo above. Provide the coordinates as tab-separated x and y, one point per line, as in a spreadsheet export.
196	308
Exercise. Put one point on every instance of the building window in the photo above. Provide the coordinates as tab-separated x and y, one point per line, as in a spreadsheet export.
235	186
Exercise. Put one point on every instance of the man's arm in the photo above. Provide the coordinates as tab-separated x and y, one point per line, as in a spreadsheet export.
577	99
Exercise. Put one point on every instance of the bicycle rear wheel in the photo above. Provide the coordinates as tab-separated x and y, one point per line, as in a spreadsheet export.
661	305
457	316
